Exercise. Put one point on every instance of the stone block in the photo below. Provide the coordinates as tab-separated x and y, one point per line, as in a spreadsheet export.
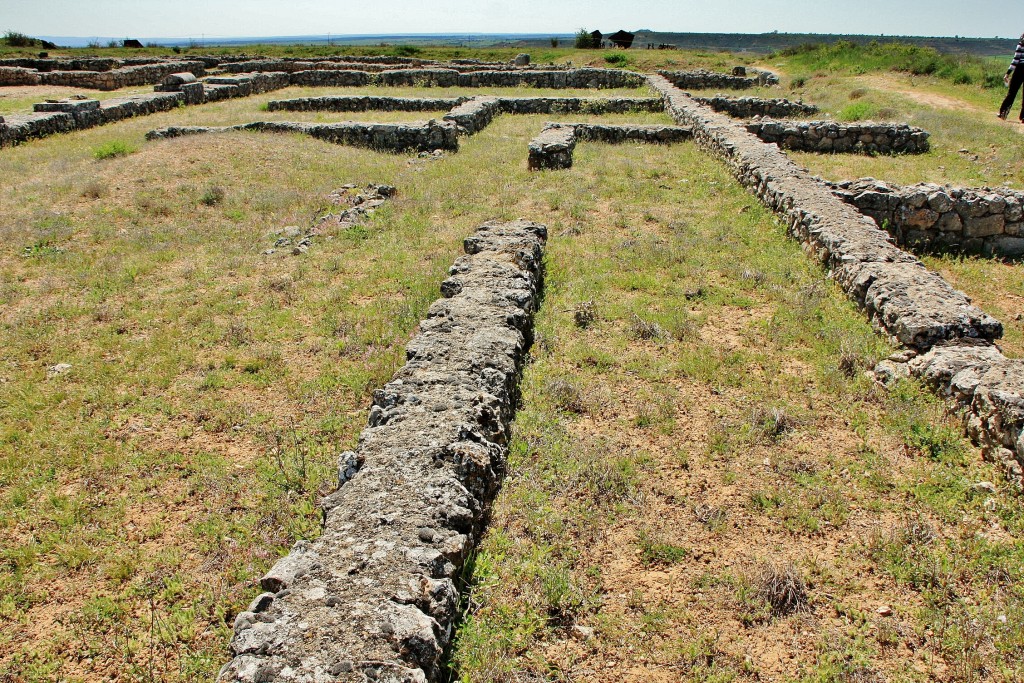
984	226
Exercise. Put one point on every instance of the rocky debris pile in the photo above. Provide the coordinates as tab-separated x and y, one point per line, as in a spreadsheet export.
389	137
375	597
749	107
702	79
552	148
984	220
915	306
863	137
355	207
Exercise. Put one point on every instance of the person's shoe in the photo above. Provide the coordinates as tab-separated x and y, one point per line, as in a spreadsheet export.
1002	115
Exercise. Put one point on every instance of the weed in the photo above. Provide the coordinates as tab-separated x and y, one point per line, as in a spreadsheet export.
584	314
645	329
212	195
859	111
783	588
656	551
113	149
566	396
711	516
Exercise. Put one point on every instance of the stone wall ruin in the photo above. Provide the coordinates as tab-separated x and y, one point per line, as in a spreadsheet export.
375	597
989	221
917	308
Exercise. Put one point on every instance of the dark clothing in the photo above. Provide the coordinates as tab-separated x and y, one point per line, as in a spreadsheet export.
1016	81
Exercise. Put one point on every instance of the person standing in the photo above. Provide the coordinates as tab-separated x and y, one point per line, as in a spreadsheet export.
1014	78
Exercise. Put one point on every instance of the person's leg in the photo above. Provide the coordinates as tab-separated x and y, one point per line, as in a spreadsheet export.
1016	80
1011	93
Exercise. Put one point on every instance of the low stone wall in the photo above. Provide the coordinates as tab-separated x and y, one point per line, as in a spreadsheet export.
365	103
615	134
914	306
14	75
375	597
125	77
928	216
249	84
89	113
17	128
552	148
579	105
701	79
749	107
866	137
386	137
989	389
330	79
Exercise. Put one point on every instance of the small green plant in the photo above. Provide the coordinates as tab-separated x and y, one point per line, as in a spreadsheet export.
656	551
858	111
40	249
114	148
213	195
554	42
617	59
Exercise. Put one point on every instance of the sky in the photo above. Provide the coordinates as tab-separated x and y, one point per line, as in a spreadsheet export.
229	18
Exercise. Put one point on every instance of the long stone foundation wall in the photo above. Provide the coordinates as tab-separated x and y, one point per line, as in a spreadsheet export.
112	79
749	107
375	597
365	103
387	137
928	216
901	297
701	79
831	136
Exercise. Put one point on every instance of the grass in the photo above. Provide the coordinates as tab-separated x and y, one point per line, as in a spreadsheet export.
695	408
699	457
114	149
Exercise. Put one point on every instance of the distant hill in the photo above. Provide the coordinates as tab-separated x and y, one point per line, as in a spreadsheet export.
769	42
760	43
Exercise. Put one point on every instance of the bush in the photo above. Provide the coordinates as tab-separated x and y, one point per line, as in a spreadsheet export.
617	59
554	42
406	51
584	41
16	39
114	148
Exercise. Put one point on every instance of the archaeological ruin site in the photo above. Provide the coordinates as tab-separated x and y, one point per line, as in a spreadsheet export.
384	368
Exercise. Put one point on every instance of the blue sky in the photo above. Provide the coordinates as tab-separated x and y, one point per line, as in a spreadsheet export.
223	18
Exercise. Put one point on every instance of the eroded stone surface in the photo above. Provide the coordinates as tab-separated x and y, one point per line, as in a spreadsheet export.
374	598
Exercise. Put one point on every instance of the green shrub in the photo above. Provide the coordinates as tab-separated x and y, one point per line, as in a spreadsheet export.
16	39
213	195
584	41
114	148
617	59
858	111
